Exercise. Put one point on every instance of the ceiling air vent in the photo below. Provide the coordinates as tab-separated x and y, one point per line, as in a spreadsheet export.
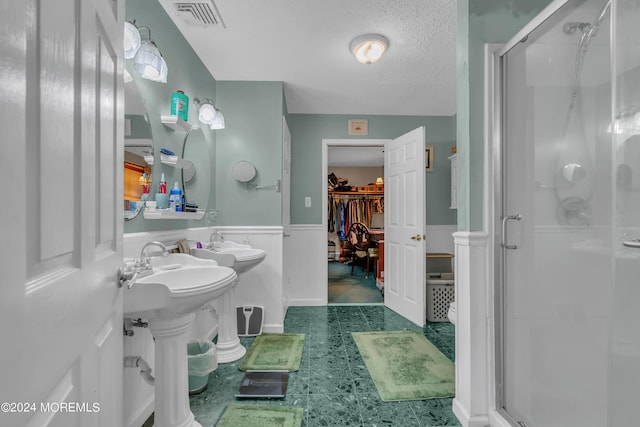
203	13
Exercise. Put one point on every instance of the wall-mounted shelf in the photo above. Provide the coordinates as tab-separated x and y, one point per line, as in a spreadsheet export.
175	161
357	193
167	214
175	123
179	163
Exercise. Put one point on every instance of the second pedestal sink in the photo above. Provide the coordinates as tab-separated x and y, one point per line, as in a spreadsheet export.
241	258
168	297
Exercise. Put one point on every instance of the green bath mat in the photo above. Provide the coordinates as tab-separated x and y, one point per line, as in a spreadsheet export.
274	352
404	365
237	415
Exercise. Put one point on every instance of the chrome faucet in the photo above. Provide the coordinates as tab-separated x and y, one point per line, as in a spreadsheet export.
215	240
140	268
144	262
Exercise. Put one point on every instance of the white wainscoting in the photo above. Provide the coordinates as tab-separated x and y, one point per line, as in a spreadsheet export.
305	281
261	286
440	238
474	329
305	252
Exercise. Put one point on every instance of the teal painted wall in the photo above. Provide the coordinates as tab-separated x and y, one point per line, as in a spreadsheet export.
479	22
188	73
253	116
308	130
259	107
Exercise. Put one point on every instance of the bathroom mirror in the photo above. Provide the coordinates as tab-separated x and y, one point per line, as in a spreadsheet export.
243	171
138	151
138	141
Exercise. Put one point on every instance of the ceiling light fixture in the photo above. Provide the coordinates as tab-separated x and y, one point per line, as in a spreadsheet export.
149	62
209	115
368	48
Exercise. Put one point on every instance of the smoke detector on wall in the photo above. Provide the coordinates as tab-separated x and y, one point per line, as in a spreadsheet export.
200	13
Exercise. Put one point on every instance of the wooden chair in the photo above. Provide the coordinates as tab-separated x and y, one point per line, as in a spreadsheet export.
359	240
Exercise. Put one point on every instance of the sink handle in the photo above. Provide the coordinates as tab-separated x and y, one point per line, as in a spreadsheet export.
126	276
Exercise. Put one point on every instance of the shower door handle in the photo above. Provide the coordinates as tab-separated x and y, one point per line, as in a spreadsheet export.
516	217
633	243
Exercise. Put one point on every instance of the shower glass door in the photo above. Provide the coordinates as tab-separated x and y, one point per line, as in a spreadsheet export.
624	382
569	215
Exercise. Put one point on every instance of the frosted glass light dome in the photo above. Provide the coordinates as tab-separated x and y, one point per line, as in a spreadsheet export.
369	48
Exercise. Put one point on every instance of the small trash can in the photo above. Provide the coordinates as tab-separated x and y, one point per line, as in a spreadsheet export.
202	360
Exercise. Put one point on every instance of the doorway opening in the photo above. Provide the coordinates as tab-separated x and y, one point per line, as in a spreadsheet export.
355	222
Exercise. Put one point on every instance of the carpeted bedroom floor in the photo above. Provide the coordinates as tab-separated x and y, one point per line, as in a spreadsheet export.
347	289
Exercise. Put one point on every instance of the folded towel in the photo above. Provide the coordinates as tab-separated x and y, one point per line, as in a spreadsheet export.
183	247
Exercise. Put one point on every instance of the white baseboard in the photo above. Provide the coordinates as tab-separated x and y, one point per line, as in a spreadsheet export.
273	328
142	414
308	302
464	418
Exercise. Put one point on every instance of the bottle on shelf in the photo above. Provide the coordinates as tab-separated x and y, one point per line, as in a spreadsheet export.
180	105
175	198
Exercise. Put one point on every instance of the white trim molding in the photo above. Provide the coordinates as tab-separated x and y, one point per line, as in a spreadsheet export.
305	271
472	328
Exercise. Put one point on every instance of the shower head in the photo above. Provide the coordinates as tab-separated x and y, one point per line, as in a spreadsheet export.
588	30
593	29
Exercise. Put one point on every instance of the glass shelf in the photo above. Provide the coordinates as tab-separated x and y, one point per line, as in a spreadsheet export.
175	123
167	214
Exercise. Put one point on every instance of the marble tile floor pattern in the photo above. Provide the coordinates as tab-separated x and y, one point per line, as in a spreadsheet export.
333	385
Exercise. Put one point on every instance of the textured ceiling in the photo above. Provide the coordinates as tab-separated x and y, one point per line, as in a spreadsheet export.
304	44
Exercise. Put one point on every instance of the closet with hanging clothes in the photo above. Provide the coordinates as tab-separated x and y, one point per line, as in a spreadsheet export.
354	208
355	225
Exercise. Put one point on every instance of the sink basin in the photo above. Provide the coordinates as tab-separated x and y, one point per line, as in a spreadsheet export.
168	298
180	284
241	258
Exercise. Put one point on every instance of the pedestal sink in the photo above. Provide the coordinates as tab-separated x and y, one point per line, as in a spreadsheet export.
241	258
169	297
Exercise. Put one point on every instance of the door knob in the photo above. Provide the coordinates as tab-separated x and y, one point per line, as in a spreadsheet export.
416	237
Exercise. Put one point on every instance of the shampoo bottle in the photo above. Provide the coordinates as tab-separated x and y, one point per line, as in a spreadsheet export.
175	198
180	105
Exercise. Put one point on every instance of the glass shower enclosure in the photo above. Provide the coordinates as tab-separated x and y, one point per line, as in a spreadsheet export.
567	218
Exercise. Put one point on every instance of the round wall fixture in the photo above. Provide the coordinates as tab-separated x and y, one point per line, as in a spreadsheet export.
243	171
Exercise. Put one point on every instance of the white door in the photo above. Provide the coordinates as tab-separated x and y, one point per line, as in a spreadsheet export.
404	220
62	159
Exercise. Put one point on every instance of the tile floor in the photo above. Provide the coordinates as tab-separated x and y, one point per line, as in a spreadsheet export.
333	385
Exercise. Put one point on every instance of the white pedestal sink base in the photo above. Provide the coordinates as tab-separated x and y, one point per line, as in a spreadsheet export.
228	347
171	387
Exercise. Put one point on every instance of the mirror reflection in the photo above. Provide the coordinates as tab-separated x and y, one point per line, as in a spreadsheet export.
138	152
